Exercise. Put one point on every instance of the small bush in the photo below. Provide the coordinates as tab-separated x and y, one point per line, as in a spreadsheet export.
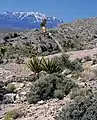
48	87
82	92
11	115
13	51
10	88
14	114
76	66
65	60
81	109
59	94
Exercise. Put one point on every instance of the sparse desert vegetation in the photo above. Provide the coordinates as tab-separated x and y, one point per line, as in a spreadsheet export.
43	83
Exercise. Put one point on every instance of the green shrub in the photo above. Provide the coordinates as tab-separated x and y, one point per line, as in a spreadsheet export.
41	89
10	88
11	115
45	88
59	94
14	114
82	92
76	66
81	109
13	52
65	60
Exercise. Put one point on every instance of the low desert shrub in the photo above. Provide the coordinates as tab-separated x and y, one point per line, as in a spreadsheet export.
84	108
10	88
11	115
50	86
58	94
14	114
64	60
82	92
76	66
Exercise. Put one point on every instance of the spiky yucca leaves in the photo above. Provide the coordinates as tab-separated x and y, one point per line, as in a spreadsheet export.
50	66
35	65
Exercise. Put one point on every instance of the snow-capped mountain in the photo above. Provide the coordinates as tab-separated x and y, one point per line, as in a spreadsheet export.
26	20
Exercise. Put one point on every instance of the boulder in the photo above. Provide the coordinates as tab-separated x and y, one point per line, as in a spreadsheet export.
66	71
41	102
9	98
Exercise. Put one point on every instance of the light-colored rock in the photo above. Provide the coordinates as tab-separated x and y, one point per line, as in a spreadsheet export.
60	109
9	98
69	76
23	93
23	98
66	71
79	78
41	102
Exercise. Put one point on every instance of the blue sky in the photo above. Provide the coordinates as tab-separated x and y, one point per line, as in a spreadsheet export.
67	9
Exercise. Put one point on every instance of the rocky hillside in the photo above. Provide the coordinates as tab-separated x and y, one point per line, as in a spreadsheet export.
84	30
40	90
79	35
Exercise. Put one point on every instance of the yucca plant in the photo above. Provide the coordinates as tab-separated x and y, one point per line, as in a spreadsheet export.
50	66
35	65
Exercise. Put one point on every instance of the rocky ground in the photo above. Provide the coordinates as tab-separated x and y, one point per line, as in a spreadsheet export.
42	110
14	73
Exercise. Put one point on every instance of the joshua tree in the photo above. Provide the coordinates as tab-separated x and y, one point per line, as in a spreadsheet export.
43	25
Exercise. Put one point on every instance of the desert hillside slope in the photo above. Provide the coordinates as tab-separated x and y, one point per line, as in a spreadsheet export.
78	35
41	91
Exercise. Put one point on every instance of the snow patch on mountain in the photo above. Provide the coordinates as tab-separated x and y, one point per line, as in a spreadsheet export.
27	19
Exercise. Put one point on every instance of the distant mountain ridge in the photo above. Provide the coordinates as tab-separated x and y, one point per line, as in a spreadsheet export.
26	20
